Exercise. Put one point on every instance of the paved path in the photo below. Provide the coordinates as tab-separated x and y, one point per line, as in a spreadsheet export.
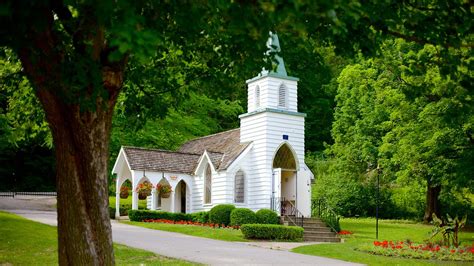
203	250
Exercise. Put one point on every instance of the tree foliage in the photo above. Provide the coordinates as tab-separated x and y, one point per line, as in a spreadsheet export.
79	55
400	117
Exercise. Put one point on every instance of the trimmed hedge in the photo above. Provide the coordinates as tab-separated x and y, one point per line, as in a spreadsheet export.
220	214
240	216
267	216
272	232
201	217
141	215
123	212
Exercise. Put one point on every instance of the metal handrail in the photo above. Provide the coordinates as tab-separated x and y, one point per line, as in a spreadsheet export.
292	211
321	209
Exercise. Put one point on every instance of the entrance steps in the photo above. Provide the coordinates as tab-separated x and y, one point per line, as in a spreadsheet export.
314	230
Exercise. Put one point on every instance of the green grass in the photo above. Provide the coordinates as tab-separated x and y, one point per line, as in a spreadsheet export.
194	230
127	201
364	233
24	242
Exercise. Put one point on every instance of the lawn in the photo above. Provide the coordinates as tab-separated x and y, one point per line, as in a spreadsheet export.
194	230
127	201
26	242
364	233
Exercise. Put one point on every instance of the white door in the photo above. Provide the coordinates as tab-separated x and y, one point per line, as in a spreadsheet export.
276	193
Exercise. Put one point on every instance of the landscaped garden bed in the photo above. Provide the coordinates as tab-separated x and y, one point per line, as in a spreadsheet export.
183	222
363	235
408	249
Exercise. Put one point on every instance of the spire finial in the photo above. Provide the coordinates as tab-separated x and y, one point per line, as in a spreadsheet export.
274	48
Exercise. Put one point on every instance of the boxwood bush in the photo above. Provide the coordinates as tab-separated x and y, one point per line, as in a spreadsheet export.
123	212
140	215
240	216
272	232
201	217
267	216
220	214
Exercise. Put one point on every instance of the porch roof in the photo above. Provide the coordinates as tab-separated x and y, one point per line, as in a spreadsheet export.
145	159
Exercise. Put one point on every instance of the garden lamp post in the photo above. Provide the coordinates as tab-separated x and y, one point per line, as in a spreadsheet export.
377	204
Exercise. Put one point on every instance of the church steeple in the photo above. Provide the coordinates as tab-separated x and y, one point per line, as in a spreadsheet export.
274	48
273	89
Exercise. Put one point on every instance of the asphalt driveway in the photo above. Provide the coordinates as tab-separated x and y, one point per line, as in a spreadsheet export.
202	250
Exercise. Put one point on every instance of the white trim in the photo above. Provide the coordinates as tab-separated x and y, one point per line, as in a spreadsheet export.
121	153
241	156
295	155
204	155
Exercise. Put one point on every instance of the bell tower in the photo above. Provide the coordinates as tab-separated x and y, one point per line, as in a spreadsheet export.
271	122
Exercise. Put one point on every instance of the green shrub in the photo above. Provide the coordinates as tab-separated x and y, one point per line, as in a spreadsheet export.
140	215
220	214
267	216
272	232
123	212
200	217
240	216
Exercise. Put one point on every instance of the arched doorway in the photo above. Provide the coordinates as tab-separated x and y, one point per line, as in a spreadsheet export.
285	167
180	197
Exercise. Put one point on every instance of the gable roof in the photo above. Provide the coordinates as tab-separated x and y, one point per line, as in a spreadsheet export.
161	160
223	148
226	143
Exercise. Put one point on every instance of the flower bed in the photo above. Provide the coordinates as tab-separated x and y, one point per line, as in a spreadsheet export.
344	232
213	225
420	251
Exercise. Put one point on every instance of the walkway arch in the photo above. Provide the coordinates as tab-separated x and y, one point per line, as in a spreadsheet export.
181	197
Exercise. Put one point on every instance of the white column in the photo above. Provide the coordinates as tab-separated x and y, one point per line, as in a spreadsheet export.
172	209
117	205
134	200
153	199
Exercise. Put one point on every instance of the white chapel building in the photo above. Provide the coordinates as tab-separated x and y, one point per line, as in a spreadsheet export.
259	165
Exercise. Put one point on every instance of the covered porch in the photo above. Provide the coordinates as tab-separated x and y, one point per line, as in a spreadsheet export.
150	181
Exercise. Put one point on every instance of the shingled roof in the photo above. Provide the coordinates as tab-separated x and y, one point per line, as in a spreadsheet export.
161	160
223	148
226	143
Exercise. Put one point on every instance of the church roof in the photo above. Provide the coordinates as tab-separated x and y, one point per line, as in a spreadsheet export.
226	143
144	159
223	148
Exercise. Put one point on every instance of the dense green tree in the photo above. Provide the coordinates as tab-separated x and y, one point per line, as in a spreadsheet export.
400	117
75	54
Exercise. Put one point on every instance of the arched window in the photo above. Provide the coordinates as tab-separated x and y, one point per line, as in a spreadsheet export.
239	187
282	94
207	185
257	97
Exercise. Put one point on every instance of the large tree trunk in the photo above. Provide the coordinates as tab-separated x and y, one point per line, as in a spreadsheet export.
81	145
432	202
81	137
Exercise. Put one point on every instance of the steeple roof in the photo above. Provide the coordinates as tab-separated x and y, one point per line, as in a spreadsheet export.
273	44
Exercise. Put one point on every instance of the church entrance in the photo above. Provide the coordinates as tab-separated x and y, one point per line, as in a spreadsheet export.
180	195
285	178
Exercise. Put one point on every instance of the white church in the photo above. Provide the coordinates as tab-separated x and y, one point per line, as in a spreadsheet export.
259	165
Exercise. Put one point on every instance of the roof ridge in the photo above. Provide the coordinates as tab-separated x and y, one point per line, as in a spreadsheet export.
212	135
160	150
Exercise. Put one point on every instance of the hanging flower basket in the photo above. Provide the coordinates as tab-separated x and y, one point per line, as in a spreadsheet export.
164	190
144	190
124	192
142	195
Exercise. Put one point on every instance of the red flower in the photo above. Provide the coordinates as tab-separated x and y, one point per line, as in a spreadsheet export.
452	250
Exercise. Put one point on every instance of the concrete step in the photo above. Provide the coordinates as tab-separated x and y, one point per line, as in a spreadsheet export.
318	234
315	226
318	229
322	239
